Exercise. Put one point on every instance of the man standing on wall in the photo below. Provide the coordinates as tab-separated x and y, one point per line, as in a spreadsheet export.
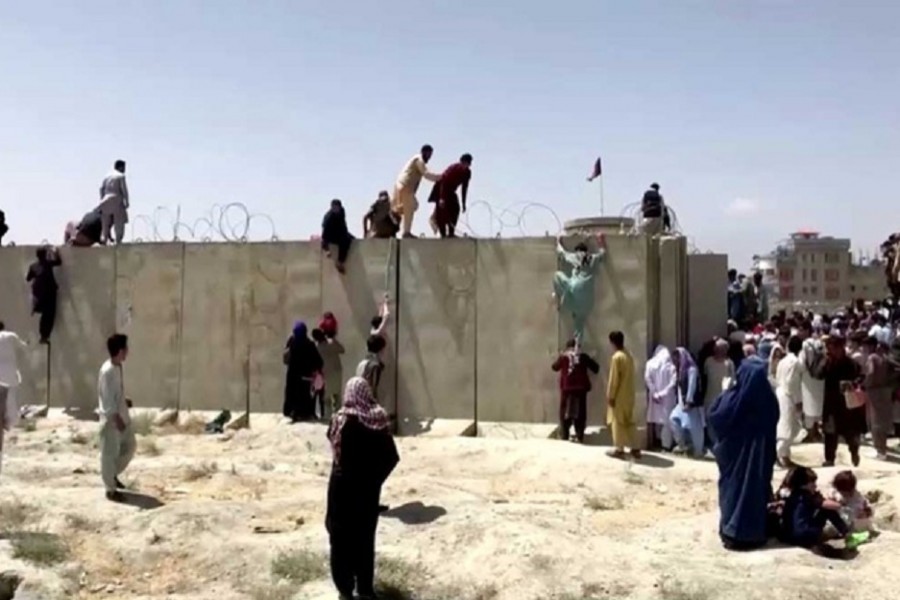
117	441
10	378
620	392
4	228
381	222
114	203
447	203
44	289
405	202
653	210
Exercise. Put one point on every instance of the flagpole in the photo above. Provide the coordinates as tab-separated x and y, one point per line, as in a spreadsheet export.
602	211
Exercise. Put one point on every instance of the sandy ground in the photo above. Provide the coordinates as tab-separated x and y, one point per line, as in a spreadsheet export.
473	519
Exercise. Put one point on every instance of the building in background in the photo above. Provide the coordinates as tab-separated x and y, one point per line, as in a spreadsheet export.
811	269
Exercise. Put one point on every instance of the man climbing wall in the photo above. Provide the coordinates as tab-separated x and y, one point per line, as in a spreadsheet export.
44	289
574	293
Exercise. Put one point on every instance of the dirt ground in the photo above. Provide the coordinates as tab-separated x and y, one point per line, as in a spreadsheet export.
240	515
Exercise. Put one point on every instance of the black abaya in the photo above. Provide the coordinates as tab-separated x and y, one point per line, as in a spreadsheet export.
303	361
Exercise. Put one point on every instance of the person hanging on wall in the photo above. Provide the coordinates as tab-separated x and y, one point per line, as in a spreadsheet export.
446	201
405	202
574	370
87	232
44	289
335	231
114	203
574	293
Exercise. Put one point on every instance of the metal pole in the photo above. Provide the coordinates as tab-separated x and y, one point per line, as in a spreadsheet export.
602	207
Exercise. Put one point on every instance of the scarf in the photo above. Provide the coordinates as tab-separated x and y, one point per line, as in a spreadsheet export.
360	403
300	330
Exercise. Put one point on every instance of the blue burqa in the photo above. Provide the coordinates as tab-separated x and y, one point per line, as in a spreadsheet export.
745	419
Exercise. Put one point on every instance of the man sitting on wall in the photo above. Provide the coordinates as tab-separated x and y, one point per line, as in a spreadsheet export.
88	232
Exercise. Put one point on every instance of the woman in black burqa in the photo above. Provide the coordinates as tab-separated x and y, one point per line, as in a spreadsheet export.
303	362
364	455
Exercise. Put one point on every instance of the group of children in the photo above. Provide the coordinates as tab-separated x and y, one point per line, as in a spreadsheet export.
800	515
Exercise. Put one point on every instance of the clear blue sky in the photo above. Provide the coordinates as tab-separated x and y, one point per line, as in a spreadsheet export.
756	118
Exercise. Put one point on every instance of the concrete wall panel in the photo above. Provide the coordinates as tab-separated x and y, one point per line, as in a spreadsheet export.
286	286
86	318
356	297
148	307
672	291
707	300
621	297
518	328
436	330
216	327
15	312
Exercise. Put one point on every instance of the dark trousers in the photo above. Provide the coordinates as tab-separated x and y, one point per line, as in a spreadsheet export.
353	555
821	518
573	411
46	307
343	244
831	446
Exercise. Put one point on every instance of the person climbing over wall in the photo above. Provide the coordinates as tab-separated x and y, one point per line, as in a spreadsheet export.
446	201
4	228
114	203
334	231
574	293
87	232
44	289
381	222
405	202
332	371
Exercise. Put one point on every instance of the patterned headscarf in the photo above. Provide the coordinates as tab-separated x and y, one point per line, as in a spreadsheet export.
359	402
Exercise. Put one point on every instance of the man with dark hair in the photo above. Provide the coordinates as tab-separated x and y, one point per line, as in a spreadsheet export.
380	221
44	289
114	203
620	393
574	368
372	367
4	228
443	194
838	370
335	231
653	209
405	202
117	441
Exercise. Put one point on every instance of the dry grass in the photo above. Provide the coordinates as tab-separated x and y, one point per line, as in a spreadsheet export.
597	503
28	425
266	466
39	548
272	592
15	514
632	478
81	523
192	425
673	589
147	446
299	566
396	579
142	422
80	438
199	471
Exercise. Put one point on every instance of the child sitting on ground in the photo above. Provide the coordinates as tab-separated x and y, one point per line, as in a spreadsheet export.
806	512
853	505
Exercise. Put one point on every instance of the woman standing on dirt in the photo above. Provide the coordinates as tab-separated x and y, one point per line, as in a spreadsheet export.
303	362
364	455
745	419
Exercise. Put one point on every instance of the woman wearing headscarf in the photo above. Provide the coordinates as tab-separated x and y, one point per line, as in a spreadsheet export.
661	379
364	455
303	362
745	418
790	401
775	355
687	418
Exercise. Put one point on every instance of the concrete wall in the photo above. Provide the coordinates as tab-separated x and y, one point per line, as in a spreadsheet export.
472	334
672	291
707	301
436	335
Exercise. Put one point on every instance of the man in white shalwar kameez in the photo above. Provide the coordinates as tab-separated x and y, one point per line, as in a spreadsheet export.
404	202
788	389
812	389
114	203
10	379
661	378
117	441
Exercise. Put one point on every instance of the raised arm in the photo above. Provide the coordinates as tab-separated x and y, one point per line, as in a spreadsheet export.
423	169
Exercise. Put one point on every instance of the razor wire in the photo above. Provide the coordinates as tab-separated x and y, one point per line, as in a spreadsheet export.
510	219
232	222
